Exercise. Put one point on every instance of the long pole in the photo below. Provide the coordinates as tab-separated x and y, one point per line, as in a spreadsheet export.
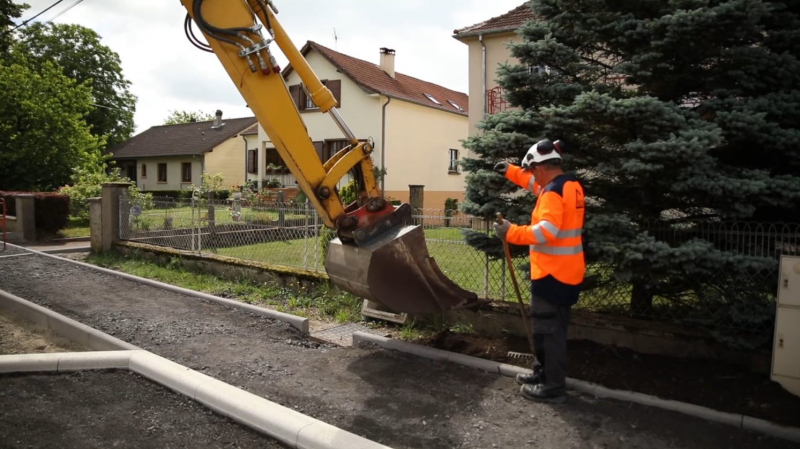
522	311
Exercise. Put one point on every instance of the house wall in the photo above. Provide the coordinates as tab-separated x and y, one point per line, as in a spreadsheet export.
418	143
418	139
151	183
497	53
227	158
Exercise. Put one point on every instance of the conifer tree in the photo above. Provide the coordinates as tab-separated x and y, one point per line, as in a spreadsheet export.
674	111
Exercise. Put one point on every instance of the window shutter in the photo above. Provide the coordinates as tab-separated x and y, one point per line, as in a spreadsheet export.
251	161
320	147
297	95
336	89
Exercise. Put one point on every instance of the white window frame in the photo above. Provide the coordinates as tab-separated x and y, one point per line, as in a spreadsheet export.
453	165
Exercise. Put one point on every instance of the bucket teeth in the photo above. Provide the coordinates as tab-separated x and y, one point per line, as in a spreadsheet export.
396	271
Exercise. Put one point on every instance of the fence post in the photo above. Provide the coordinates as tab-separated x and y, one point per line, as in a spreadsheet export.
111	212
26	215
96	224
486	268
416	198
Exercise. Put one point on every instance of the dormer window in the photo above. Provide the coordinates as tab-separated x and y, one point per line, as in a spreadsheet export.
453	103
430	97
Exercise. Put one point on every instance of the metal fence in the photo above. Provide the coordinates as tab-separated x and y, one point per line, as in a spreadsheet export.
292	235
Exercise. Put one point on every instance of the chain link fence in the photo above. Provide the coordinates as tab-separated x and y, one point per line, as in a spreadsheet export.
292	234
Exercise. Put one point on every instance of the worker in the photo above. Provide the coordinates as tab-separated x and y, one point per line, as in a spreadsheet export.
557	262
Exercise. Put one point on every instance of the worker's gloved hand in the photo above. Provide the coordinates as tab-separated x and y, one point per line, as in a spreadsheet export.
501	229
501	167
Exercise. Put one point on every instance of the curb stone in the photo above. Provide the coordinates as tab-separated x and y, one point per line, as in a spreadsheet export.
299	323
736	420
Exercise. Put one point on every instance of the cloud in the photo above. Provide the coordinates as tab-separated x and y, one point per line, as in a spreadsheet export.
168	73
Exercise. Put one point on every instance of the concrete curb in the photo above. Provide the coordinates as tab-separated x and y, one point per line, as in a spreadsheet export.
78	249
64	361
286	425
736	420
61	325
299	323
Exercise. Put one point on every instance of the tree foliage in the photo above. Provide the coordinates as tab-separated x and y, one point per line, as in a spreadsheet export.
9	11
80	54
43	129
675	111
179	117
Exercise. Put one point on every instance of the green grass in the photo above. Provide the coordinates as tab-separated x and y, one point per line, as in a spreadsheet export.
185	216
76	227
323	302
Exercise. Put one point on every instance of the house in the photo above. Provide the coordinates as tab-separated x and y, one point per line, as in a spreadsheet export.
416	126
173	157
487	42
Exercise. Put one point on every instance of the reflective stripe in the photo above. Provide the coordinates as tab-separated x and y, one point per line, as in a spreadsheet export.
565	234
532	184
557	250
553	229
538	234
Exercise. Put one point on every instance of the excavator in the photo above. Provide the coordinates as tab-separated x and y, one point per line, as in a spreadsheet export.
378	254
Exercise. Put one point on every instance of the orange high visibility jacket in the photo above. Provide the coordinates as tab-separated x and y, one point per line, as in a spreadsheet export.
554	236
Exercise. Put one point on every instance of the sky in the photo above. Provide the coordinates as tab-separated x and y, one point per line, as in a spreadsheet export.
168	73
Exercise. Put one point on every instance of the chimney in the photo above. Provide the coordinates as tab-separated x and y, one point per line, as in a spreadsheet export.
217	120
387	61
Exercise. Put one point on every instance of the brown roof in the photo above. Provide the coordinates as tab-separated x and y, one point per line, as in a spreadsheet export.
509	21
180	140
372	78
251	130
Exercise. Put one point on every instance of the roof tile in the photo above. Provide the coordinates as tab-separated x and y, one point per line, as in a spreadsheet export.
509	21
372	78
180	140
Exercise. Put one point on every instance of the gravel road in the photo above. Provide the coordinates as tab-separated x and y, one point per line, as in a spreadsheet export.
396	399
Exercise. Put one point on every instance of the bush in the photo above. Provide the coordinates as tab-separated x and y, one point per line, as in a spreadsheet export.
51	209
89	184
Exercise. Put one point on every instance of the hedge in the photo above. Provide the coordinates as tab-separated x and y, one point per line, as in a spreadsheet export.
52	209
185	194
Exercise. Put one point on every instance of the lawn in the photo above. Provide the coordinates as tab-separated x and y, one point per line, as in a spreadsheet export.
76	227
187	217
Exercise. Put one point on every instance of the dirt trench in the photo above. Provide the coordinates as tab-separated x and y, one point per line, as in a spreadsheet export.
393	398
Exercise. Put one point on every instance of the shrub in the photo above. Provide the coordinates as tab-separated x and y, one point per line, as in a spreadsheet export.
89	184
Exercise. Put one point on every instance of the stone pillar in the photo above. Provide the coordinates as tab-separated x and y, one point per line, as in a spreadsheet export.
416	199
111	211
96	224
26	216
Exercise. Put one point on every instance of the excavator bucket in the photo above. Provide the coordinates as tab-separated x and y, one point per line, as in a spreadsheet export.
396	271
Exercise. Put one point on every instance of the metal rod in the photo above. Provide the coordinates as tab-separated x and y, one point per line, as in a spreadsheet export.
334	113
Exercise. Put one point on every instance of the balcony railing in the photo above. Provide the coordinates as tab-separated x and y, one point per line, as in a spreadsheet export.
494	101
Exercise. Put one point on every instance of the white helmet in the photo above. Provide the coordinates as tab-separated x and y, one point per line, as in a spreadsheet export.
541	151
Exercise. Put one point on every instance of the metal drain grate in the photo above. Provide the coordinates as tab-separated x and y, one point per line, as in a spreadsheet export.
343	335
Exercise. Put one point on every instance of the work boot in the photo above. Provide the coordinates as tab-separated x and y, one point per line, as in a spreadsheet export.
535	377
538	393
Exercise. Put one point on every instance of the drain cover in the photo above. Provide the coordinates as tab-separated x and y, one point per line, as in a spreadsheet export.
343	335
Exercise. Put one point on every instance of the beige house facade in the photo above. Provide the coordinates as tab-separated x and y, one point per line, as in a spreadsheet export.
488	49
416	126
174	157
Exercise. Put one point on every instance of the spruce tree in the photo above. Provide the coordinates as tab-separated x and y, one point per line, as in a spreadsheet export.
676	112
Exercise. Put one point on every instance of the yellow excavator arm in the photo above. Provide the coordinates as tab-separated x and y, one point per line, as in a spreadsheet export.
378	255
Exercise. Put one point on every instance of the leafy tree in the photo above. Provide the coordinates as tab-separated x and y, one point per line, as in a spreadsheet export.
179	117
81	55
674	111
8	11
43	130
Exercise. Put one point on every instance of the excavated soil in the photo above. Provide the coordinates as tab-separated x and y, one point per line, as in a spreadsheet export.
102	409
19	336
715	385
393	398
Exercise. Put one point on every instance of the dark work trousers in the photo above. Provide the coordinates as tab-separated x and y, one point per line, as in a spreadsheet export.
550	323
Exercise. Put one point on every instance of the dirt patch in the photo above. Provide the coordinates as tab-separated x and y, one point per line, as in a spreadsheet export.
715	385
393	398
20	336
95	409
